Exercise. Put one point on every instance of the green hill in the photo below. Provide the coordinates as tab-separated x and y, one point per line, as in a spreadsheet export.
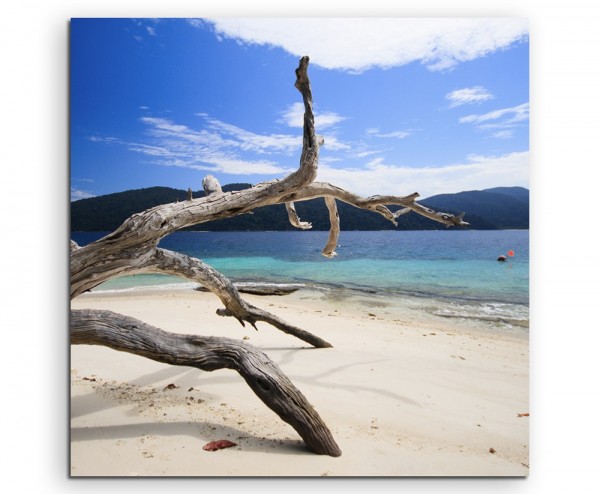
497	208
502	207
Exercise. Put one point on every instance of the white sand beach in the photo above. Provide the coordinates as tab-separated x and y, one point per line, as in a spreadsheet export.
403	392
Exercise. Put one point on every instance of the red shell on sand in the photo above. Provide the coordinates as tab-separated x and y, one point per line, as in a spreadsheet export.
215	445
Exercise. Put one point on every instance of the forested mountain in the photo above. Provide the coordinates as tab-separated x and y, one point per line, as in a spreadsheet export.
490	209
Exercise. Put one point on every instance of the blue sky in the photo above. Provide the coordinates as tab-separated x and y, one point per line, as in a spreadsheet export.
405	105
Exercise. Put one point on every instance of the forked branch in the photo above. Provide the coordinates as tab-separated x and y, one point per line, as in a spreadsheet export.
174	263
377	204
106	328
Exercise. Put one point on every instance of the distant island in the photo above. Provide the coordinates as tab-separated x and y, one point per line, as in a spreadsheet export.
490	209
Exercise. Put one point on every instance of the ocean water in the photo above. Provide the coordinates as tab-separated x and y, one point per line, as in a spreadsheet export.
450	273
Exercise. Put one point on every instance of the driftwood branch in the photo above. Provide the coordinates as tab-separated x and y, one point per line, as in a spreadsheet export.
174	263
334	230
377	204
106	328
295	219
211	185
260	288
133	248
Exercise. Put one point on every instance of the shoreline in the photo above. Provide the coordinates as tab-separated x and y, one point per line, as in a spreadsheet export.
404	393
490	312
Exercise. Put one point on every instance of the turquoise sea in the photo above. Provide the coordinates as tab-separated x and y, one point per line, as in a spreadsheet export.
451	273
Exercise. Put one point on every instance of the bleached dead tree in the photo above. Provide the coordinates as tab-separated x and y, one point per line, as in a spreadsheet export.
133	249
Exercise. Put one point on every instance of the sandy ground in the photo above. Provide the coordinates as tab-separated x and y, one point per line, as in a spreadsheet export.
404	394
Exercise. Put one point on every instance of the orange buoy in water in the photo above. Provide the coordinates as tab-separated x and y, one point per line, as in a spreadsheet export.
511	253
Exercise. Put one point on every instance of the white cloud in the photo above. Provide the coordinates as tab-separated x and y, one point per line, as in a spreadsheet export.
231	165
199	23
397	134
216	147
513	115
467	95
503	134
108	140
355	44
260	143
158	151
501	122
77	194
329	159
294	117
219	135
478	172
332	143
364	154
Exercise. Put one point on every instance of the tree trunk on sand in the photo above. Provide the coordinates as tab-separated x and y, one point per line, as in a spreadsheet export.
97	327
133	248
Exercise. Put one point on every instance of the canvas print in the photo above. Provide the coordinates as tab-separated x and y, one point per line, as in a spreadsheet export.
299	247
